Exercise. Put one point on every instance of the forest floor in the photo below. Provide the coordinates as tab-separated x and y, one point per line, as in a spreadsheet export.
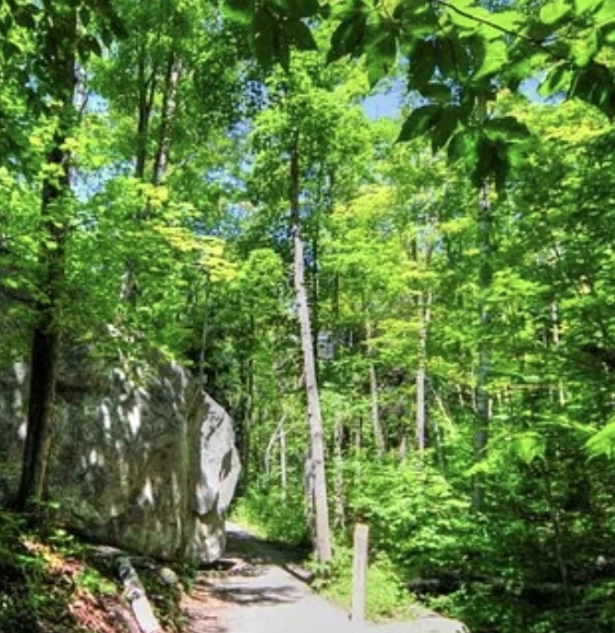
257	588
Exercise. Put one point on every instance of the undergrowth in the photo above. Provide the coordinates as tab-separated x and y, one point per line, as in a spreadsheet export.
51	582
386	598
265	514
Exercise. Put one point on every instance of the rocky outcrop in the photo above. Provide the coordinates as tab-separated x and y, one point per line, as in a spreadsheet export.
146	464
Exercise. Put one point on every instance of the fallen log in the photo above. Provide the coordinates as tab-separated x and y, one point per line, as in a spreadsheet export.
135	594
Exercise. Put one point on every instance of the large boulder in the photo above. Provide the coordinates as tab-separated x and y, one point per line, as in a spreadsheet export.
148	464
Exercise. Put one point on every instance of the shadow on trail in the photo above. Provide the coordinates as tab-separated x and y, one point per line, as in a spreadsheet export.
247	554
247	596
257	551
252	576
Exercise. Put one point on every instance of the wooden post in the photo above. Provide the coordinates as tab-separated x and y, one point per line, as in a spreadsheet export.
359	572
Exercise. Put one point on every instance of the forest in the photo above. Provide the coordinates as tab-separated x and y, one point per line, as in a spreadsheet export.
379	233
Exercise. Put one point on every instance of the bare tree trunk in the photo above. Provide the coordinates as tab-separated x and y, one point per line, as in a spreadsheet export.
317	453
438	431
46	336
283	467
169	109
275	436
561	389
373	390
338	439
556	523
403	448
146	87
484	347
143	115
421	400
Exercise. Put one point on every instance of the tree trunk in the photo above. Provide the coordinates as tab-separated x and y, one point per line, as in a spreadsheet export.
46	336
556	522
169	108
338	440
283	460
317	454
143	116
484	346
373	390
421	374
555	320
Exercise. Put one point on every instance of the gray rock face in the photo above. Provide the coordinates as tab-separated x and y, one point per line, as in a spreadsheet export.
150	467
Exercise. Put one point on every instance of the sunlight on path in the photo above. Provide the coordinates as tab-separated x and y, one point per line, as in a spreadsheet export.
256	595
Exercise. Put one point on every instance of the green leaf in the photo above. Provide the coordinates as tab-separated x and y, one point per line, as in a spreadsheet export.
495	56
301	35
557	79
241	11
507	127
595	84
263	37
554	11
603	442
585	6
437	92
463	145
583	51
446	125
419	122
298	8
381	57
281	49
529	447
422	64
507	20
348	37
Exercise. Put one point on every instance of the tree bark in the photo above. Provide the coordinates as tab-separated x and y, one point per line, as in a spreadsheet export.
283	461
556	522
338	440
169	109
317	455
421	374
481	434
46	335
373	390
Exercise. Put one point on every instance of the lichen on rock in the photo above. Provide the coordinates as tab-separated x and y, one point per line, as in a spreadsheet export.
148	465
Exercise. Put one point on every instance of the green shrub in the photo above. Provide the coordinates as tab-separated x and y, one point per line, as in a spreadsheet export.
386	595
270	515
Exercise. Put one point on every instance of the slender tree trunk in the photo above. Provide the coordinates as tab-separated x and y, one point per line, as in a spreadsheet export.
403	447
315	303
484	346
283	460
438	431
338	441
146	87
556	522
556	335
46	337
421	374
169	109
373	390
317	453
245	417
143	116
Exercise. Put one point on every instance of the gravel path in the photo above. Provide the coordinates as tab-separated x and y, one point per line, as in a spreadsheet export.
253	590
255	594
